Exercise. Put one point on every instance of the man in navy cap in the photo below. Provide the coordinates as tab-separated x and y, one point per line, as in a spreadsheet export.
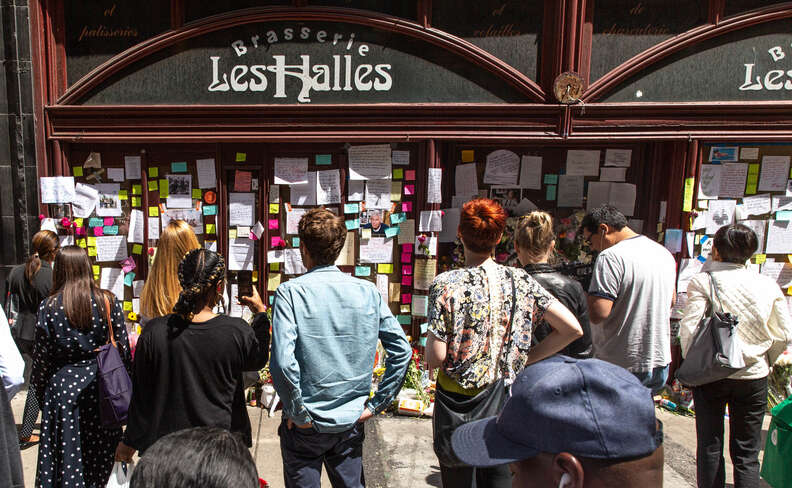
571	424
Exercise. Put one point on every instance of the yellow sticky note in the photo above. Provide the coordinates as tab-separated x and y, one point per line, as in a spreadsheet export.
468	156
153	211
752	179
137	189
273	280
77	171
211	229
96	269
760	258
123	195
135	201
385	268
92	241
789	290
687	199
255	276
750	189
163	188
274	208
153	172
753	169
241	157
82	243
274	266
78	222
232	233
789	258
659	227
127	306
697	239
91	251
137	249
396	191
152	186
196	193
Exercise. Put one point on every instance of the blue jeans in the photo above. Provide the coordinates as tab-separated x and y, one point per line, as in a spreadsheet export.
654	379
304	452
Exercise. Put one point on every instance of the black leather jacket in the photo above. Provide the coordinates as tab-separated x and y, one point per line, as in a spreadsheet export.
570	293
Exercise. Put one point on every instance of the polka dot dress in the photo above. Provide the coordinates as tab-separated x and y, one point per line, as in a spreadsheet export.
75	450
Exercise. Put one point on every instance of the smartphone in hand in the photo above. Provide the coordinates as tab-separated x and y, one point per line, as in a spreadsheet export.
245	283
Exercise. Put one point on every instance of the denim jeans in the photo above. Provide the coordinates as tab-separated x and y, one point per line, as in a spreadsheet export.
655	379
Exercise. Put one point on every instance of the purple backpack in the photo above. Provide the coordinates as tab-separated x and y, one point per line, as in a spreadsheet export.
115	386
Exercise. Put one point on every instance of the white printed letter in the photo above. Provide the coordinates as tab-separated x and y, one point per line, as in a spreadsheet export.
239	47
750	85
777	53
216	85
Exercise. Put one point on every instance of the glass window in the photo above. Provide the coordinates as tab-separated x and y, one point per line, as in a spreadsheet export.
734	7
624	28
510	30
407	9
98	30
198	9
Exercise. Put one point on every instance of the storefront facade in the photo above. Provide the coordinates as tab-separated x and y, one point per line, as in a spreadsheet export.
252	114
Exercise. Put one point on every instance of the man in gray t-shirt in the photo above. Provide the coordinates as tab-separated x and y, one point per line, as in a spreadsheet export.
630	297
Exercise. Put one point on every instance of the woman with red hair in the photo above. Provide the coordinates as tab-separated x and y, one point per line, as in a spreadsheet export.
481	320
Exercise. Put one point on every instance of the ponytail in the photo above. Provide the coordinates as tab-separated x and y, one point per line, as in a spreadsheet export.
45	244
199	273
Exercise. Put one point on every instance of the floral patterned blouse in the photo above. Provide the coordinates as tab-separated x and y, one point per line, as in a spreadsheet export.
470	312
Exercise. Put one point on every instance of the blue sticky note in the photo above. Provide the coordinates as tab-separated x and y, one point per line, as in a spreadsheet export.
95	222
551	179
362	271
324	159
350	208
210	209
271	299
551	192
179	167
404	319
110	230
392	231
783	215
422	341
424	327
295	242
702	259
703	239
352	224
129	278
397	218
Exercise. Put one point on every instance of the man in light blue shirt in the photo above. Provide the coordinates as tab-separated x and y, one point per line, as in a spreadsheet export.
325	327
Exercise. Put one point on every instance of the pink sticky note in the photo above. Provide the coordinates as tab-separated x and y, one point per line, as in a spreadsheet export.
273	224
409	175
406	206
406	258
409	189
407	248
407	270
406	281
276	241
108	221
406	298
128	264
98	231
80	231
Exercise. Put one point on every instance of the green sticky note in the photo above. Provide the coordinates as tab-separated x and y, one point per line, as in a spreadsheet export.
137	189
152	185
210	209
137	249
241	157
135	201
180	167
95	222
77	170
323	159
352	224
424	328
128	278
271	299
404	319
295	242
350	208
783	215
163	188
197	194
274	266
211	228
750	189
752	179
398	218
110	230
385	268
362	271
392	231
422	341
123	195
153	172
398	173
551	192
551	180
687	194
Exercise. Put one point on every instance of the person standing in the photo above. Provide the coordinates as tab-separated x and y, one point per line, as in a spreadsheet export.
632	290
31	283
764	328
481	321
12	368
534	242
325	327
188	365
72	324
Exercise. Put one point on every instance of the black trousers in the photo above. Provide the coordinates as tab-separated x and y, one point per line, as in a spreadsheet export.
747	400
496	477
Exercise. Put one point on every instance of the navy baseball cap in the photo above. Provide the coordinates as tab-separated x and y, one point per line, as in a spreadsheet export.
589	408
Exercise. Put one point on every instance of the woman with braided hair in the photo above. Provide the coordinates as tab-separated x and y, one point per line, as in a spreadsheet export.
188	365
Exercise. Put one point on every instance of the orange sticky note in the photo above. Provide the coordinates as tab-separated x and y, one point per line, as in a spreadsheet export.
468	156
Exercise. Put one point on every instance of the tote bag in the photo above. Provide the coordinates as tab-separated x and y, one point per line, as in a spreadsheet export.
115	386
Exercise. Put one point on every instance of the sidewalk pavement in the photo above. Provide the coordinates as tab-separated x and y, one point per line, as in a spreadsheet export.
398	451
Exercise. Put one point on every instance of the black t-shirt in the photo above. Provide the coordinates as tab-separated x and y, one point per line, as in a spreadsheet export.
188	374
30	295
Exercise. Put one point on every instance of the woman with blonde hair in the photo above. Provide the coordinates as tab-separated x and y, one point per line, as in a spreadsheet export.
534	242
162	288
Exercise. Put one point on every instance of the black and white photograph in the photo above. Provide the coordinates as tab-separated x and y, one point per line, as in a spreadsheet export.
179	191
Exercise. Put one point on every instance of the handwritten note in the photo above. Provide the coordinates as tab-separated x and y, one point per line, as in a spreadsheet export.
709	181
732	180
304	193
618	157
206	173
376	250
774	173
57	189
425	270
136	226
328	187
570	191
613	174
760	229
293	262
757	205
356	191
502	168
721	212
113	279
240	254
400	158
581	163
466	180
293	217
370	162
430	221
85	199
241	209
291	171
378	194
531	172
433	190
407	231
111	248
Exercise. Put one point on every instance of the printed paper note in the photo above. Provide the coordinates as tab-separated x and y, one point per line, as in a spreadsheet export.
179	191
240	254
304	193
721	212
370	162
774	173
531	172
241	209
732	180
378	194
425	270
136	226
613	174
618	157
570	191
291	171
466	180
407	231
400	158
154	228
620	195
502	168
433	191
206	173
757	205
293	262
376	250
355	191
57	189
111	248
581	163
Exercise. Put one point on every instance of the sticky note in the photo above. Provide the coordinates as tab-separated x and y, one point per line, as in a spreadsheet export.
365	234
351	208
407	270
82	243
241	157
409	175
398	173
78	222
153	211
95	222
92	251
385	268
77	170
783	215
362	271
424	328
406	258
137	249
273	281
92	241
409	189
276	241
108	221
163	188
96	269
127	304
123	195
422	341
152	185
180	167
135	201
232	233
760	258
687	194
274	266
397	218
153	172
551	192
753	169
274	208
352	224
98	231
407	248
211	228
111	230
404	319
406	206
750	189
404	309
406	298
295	242
197	194
323	159
551	179
468	156
406	280
273	224
129	278
209	209
392	231
271	299
137	189
395	194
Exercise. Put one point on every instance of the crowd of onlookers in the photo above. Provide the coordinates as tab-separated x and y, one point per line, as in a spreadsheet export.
539	382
